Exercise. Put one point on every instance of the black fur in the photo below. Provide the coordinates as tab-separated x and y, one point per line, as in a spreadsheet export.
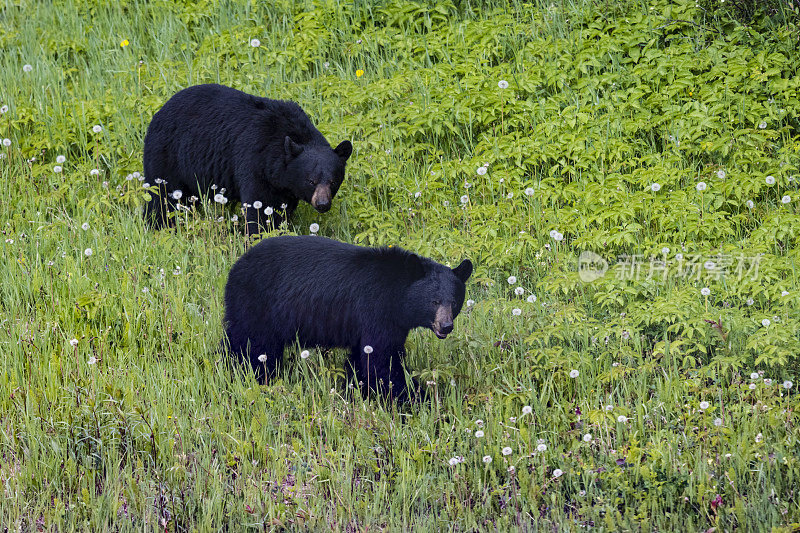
330	294
255	148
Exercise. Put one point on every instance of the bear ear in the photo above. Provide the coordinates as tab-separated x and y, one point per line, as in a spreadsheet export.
464	270
344	149
414	266
291	148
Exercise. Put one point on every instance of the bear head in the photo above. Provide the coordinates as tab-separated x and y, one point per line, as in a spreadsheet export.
434	298
314	172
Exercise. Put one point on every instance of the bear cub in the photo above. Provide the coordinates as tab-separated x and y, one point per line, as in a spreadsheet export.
329	294
262	152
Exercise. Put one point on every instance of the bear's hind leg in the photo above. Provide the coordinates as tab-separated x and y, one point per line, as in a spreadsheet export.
264	355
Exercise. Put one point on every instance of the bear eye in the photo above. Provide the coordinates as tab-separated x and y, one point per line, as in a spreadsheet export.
436	302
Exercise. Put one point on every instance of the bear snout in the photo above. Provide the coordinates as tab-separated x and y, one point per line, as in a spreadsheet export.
321	200
443	323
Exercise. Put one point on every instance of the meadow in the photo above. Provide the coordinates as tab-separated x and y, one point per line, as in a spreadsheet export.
624	175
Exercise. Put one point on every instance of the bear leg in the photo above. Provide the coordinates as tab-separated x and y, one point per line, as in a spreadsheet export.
381	371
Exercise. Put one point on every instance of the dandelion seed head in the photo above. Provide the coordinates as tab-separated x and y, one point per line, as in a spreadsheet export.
6	142
57	169
529	191
74	342
479	434
655	187
558	472
367	349
587	437
503	84
574	373
721	174
770	180
512	280
767	382
531	298
718	422
786	199
701	186
753	375
787	384
453	461
766	322
470	303
507	451
313	228
88	252
516	311
704	405
752	386
92	360
268	210
94	172
487	459
622	419
85	226
304	354
177	194
527	409
97	128
60	159
519	291
541	447
255	43
27	68
750	204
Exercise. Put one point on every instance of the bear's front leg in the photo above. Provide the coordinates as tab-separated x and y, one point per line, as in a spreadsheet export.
380	369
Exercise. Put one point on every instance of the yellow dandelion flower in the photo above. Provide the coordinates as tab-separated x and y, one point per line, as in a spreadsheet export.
124	43
359	73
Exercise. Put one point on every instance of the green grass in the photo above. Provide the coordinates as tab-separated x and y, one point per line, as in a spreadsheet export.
141	425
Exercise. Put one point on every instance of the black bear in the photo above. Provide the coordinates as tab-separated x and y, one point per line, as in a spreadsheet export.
264	153
329	294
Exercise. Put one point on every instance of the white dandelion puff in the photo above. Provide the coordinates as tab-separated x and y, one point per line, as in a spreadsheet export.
558	472
88	252
177	194
786	199
60	159
705	291
6	142
304	354
787	384
73	342
574	374
507	451
519	291
750	204
541	447
262	358
527	409
479	434
516	311
701	186
529	191
92	360
97	128
487	459
531	298
255	43
268	211
721	174
313	228
770	180
57	169
503	84
704	405
766	322
512	280
85	226
27	68
753	375
587	437
367	349
453	461
470	303
655	187
622	419
464	199
718	422
94	172
481	171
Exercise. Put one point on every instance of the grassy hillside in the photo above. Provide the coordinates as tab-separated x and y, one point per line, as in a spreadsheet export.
624	175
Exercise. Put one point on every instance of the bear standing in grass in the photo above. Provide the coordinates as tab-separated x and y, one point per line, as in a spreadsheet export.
330	294
262	152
